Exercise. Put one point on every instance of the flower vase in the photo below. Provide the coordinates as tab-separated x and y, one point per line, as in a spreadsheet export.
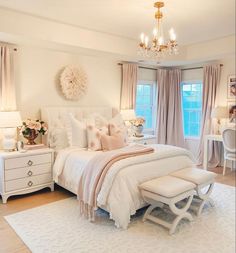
138	131
31	136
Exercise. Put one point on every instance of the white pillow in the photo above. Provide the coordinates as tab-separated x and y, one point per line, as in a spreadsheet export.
58	139
99	120
76	132
117	120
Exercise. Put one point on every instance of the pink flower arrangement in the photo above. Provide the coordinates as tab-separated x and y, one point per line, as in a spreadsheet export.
37	125
138	121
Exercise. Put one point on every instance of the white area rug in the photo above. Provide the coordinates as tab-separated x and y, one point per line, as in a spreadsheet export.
58	227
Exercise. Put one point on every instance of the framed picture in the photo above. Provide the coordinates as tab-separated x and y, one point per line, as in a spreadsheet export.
232	87
232	111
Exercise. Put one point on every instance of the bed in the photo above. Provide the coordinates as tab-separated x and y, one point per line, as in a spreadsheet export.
119	194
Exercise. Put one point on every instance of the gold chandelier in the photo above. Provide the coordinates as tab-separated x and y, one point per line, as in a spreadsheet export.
158	48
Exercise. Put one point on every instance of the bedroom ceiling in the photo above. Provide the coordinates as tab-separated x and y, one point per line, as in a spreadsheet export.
194	21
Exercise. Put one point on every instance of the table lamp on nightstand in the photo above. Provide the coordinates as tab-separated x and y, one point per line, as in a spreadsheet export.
128	115
219	113
9	121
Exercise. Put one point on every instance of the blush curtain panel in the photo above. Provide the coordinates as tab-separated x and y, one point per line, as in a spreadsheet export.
129	84
211	81
169	112
7	88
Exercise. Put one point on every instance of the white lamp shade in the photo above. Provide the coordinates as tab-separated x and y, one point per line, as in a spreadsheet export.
10	119
220	112
128	114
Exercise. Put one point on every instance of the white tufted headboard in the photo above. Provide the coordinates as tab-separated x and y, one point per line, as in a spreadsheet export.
56	117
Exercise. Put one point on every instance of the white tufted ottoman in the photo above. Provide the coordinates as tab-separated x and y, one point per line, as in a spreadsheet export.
167	190
201	178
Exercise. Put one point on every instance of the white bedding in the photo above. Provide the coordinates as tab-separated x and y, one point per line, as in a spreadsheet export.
120	194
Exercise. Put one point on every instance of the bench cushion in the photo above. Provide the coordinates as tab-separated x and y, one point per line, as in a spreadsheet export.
194	175
167	186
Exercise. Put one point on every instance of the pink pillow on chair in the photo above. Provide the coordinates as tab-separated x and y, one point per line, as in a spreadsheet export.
112	142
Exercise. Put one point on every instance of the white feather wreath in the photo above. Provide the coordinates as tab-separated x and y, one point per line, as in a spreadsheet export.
73	82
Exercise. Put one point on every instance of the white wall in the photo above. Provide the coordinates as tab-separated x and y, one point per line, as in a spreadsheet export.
227	69
37	72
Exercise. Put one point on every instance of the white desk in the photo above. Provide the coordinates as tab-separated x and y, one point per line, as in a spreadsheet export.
207	138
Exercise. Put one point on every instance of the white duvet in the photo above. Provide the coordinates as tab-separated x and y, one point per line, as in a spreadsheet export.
120	194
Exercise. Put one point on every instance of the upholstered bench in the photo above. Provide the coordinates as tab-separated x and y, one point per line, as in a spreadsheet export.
202	179
167	190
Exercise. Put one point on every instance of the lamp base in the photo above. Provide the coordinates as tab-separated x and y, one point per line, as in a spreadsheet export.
9	142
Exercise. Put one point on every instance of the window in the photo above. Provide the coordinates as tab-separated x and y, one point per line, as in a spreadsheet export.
192	108
145	100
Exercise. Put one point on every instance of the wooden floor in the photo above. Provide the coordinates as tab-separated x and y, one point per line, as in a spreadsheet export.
11	243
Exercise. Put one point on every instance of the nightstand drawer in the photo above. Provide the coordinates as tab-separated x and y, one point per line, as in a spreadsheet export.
27	171
27	161
24	183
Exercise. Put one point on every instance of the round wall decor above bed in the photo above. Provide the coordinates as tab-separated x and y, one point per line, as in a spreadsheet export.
73	82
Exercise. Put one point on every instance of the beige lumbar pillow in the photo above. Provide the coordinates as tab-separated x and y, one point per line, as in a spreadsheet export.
112	142
114	130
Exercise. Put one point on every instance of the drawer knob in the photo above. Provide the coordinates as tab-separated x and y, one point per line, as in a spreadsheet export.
145	143
30	173
30	163
30	183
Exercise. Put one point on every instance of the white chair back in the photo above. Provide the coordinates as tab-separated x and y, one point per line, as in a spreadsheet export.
229	140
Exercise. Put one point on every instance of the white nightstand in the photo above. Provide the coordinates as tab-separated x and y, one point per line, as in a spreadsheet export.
146	139
27	172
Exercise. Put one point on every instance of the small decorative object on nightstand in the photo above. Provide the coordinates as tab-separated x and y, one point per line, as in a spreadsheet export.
22	173
146	139
137	126
31	128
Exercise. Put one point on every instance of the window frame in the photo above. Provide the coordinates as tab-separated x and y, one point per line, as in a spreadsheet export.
190	82
154	104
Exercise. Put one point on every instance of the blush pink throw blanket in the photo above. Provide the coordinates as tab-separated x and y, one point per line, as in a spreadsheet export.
94	174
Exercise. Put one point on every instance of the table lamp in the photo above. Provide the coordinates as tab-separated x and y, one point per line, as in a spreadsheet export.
219	113
128	115
9	121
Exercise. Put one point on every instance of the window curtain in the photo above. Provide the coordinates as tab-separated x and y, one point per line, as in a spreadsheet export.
169	112
129	83
7	88
211	81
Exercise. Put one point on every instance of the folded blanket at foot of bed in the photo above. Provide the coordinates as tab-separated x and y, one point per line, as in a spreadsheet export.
94	174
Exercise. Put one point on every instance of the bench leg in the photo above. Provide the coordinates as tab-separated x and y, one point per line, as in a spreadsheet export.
203	196
151	208
176	221
181	213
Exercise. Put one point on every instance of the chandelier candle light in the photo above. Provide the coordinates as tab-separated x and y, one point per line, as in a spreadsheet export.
158	48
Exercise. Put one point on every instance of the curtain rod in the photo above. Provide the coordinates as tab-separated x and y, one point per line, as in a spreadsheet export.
142	67
8	44
221	65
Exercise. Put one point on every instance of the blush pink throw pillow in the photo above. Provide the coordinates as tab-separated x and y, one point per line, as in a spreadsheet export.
112	142
94	137
114	130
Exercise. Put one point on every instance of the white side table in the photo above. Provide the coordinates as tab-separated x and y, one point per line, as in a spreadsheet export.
27	172
146	139
207	138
